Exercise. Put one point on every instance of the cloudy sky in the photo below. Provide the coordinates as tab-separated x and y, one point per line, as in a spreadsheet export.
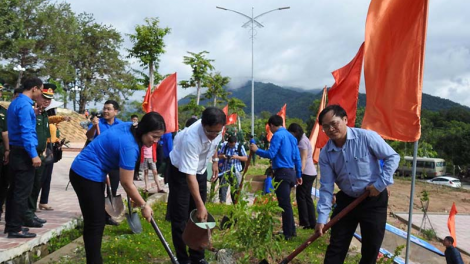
298	47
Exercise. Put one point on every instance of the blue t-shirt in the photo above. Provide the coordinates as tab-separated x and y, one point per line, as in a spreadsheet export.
115	148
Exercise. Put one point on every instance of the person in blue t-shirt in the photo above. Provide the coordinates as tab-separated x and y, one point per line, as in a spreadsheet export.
287	167
117	148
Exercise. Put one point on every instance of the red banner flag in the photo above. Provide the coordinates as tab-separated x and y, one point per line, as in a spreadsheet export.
232	119
225	110
393	67
269	134
282	114
316	129
451	223
145	104
164	100
345	91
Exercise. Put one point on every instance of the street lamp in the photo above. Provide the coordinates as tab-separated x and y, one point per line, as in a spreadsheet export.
252	21
19	69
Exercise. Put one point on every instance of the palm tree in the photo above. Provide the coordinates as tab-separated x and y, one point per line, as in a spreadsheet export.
200	66
215	87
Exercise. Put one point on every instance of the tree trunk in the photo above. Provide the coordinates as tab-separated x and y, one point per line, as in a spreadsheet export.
198	93
215	101
81	104
151	75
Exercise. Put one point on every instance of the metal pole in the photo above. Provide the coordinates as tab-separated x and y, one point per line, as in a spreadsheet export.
252	77
410	211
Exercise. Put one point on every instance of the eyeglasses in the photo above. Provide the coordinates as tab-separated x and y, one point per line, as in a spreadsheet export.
333	124
213	133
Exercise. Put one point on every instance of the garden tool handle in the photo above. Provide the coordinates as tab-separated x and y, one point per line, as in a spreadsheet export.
327	226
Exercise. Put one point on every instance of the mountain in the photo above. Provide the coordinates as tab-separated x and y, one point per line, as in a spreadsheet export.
270	97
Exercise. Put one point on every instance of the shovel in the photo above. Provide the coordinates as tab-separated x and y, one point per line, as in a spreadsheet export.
133	219
328	225
113	204
165	244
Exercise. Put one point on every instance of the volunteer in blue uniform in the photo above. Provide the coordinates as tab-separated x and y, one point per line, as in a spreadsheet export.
117	148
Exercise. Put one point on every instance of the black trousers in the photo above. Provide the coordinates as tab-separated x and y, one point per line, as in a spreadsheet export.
5	180
91	199
371	214
305	204
33	198
46	184
181	204
22	172
285	178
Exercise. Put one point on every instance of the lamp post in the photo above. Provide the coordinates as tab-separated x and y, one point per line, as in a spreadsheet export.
252	21
19	69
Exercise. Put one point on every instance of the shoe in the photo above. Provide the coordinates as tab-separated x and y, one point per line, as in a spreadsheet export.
21	234
45	207
202	261
33	223
110	221
162	191
37	219
309	227
24	229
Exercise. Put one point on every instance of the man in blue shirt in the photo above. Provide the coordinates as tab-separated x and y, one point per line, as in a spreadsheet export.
285	155
99	125
452	254
230	154
351	160
24	159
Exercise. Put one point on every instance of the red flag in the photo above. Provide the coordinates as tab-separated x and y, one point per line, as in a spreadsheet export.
225	110
164	100
269	134
232	119
316	129
282	113
451	223
345	91
393	67
145	103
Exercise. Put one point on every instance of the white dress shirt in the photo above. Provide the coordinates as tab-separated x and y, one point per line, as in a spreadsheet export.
192	149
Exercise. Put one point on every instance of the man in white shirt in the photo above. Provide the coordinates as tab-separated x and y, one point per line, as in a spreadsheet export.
193	147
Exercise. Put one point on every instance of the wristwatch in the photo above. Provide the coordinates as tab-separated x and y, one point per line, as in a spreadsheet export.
215	160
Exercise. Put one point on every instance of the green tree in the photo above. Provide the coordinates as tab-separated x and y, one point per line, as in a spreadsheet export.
200	66
192	108
236	105
22	40
215	87
148	46
100	72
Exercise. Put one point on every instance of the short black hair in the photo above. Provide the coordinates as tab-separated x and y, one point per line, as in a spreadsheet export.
450	239
18	90
190	121
132	116
29	83
337	111
212	116
114	103
232	139
275	120
296	130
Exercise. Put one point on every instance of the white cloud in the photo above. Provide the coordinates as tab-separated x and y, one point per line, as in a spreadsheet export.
297	47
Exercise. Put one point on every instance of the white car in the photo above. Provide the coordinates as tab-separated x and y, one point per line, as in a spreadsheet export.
447	181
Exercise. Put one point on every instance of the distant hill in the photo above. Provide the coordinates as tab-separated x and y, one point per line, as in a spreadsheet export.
270	97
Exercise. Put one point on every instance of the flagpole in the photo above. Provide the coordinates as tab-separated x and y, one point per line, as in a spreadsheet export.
410	210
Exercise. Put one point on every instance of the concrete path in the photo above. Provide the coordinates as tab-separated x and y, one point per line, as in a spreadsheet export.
63	217
439	222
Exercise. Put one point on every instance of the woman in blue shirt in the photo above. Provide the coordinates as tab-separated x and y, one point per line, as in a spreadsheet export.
116	148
